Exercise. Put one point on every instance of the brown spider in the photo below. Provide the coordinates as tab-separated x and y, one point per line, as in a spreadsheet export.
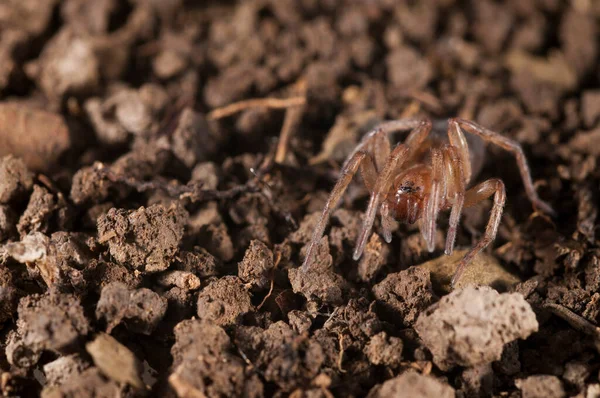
428	173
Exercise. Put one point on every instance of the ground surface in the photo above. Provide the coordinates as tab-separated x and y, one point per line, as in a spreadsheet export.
150	246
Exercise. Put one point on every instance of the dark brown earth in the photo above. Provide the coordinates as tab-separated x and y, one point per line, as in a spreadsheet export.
150	240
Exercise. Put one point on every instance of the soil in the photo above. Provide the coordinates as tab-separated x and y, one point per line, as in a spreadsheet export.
151	236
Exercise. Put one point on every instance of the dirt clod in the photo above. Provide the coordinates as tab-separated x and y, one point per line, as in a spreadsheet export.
140	309
541	386
53	322
115	360
412	384
224	301
164	164
16	179
146	239
320	283
90	382
405	294
204	365
37	136
384	350
283	356
257	265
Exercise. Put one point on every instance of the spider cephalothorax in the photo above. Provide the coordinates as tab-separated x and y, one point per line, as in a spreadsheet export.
426	174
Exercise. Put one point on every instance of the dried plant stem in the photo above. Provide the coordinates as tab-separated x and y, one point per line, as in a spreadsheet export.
274	103
290	124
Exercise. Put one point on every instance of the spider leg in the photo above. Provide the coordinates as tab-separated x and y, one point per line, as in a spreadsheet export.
434	201
456	188
348	171
394	161
380	148
378	145
388	223
473	196
377	140
513	147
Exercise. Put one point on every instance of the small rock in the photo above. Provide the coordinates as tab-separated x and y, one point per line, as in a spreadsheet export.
62	369
574	32
109	132
90	383
493	23
67	65
407	70
131	112
576	373
586	142
384	350
182	279
590	107
414	385
115	360
470	326
593	391
541	386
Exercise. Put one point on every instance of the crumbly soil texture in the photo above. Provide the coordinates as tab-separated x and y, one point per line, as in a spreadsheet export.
151	237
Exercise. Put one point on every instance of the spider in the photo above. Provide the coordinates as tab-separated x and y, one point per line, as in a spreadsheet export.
426	174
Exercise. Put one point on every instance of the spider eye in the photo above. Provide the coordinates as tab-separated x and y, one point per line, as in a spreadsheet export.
408	187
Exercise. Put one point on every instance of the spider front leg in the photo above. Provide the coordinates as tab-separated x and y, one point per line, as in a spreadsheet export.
371	154
434	201
456	186
473	196
347	173
394	162
513	147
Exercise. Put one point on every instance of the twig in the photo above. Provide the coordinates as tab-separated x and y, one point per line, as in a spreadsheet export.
341	356
290	124
578	322
274	103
